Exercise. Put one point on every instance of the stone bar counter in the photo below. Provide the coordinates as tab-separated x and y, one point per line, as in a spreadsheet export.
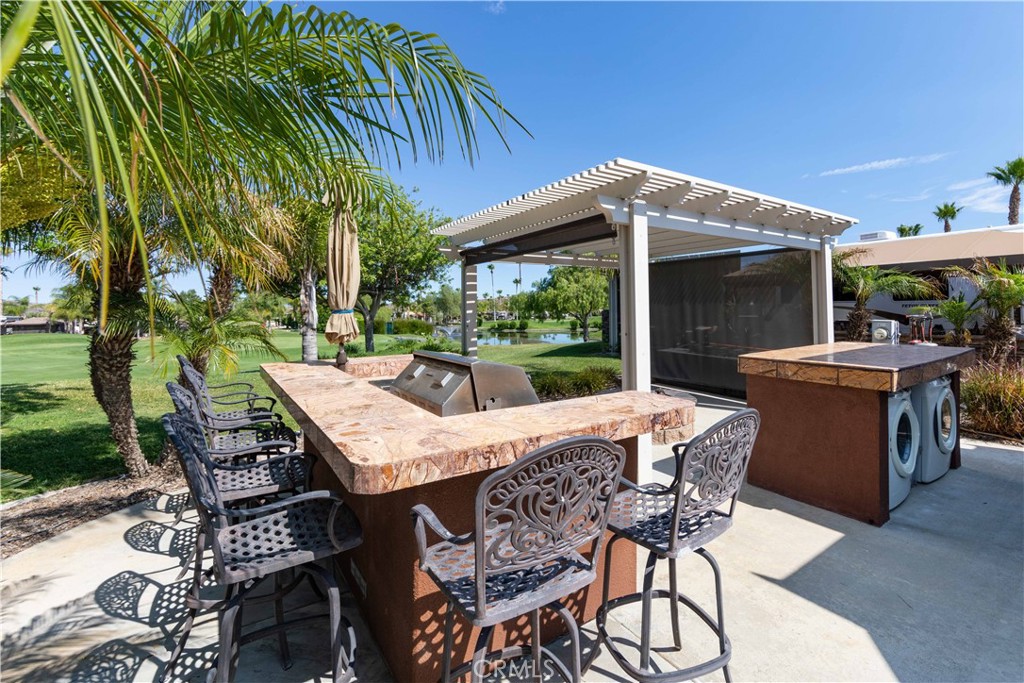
383	455
824	418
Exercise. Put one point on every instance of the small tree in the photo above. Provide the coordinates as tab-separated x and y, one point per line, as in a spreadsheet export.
398	254
959	313
909	230
307	257
1000	289
946	213
865	282
1011	175
448	302
578	292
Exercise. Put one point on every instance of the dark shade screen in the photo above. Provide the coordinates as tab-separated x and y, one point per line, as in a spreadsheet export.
706	311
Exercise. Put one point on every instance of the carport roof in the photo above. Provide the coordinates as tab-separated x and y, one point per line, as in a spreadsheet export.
687	214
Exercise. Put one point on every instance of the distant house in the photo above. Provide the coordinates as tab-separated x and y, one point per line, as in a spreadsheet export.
33	326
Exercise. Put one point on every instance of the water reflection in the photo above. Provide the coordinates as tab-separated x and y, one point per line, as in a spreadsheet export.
508	339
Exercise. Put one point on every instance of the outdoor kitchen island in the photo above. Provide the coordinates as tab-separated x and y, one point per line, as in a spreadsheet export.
383	455
824	436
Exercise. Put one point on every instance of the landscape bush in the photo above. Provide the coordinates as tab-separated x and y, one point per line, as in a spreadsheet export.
412	326
443	345
523	325
573	326
586	382
993	399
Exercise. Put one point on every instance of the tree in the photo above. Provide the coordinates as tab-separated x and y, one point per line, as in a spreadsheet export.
180	121
210	98
865	282
909	230
1011	175
448	302
946	213
307	257
494	306
398	254
959	313
36	290
579	292
72	303
210	344
1001	289
15	305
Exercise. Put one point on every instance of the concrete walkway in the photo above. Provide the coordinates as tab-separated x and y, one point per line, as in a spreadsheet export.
935	595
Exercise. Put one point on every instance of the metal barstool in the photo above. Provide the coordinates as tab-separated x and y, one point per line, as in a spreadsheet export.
670	521
284	539
531	520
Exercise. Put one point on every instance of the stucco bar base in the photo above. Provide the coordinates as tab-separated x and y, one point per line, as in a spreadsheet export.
825	445
403	607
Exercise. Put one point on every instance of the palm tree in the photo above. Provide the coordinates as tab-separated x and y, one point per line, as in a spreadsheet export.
307	258
36	290
946	213
865	282
1001	290
1011	175
210	344
910	230
959	313
181	122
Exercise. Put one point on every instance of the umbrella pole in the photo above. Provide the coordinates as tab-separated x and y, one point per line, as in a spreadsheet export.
342	360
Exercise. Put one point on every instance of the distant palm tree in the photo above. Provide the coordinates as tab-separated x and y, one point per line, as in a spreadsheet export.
910	230
946	213
1011	175
490	267
865	282
36	290
1000	290
958	312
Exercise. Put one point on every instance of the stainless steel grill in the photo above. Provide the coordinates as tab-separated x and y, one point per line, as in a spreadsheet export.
447	384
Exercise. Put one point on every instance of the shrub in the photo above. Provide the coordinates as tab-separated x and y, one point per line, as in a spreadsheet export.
993	398
593	379
552	385
573	326
523	325
413	326
379	326
444	345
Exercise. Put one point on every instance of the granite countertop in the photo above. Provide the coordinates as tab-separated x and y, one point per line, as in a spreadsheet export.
878	367
376	442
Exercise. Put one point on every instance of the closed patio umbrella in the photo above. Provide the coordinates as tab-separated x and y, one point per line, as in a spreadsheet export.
342	278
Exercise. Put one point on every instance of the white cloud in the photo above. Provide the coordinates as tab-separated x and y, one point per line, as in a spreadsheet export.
994	199
919	197
968	184
496	7
884	164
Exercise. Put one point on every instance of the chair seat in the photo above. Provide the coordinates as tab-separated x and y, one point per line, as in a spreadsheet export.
508	594
243	414
250	439
285	539
261	479
646	519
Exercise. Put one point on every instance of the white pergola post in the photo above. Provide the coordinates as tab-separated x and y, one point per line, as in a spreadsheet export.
635	333
468	310
821	272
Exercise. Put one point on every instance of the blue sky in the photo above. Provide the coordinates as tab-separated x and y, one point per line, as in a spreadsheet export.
875	110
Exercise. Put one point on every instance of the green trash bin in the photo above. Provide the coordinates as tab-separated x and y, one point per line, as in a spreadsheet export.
389	327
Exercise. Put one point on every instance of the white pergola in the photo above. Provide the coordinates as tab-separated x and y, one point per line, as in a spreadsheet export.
622	214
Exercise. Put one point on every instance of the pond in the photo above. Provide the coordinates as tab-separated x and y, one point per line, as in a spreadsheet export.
488	338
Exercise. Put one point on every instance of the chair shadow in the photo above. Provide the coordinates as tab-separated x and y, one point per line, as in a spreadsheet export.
138	598
162	539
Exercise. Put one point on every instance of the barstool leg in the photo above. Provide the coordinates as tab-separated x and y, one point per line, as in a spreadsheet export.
230	627
574	640
674	589
719	604
479	664
449	643
535	644
282	637
645	619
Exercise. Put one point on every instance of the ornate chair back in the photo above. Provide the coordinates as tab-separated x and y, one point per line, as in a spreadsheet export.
188	439
198	385
544	507
186	404
711	468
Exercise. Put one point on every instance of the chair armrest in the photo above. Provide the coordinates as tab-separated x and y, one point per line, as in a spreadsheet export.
251	401
248	387
224	424
422	517
285	503
262	463
652	488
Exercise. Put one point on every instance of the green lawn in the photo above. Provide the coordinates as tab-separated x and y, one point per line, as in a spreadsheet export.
52	428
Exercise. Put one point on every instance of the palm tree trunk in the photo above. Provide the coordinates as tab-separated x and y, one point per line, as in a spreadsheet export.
307	309
858	324
222	290
110	369
946	227
1014	216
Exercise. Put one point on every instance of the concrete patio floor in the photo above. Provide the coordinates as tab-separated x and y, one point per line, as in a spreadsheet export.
936	594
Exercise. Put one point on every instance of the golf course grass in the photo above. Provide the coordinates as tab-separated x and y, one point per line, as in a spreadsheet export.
52	428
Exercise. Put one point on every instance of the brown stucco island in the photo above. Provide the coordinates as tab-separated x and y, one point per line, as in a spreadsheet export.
384	455
824	418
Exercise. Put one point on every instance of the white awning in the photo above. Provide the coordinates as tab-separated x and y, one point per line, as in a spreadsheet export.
686	214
